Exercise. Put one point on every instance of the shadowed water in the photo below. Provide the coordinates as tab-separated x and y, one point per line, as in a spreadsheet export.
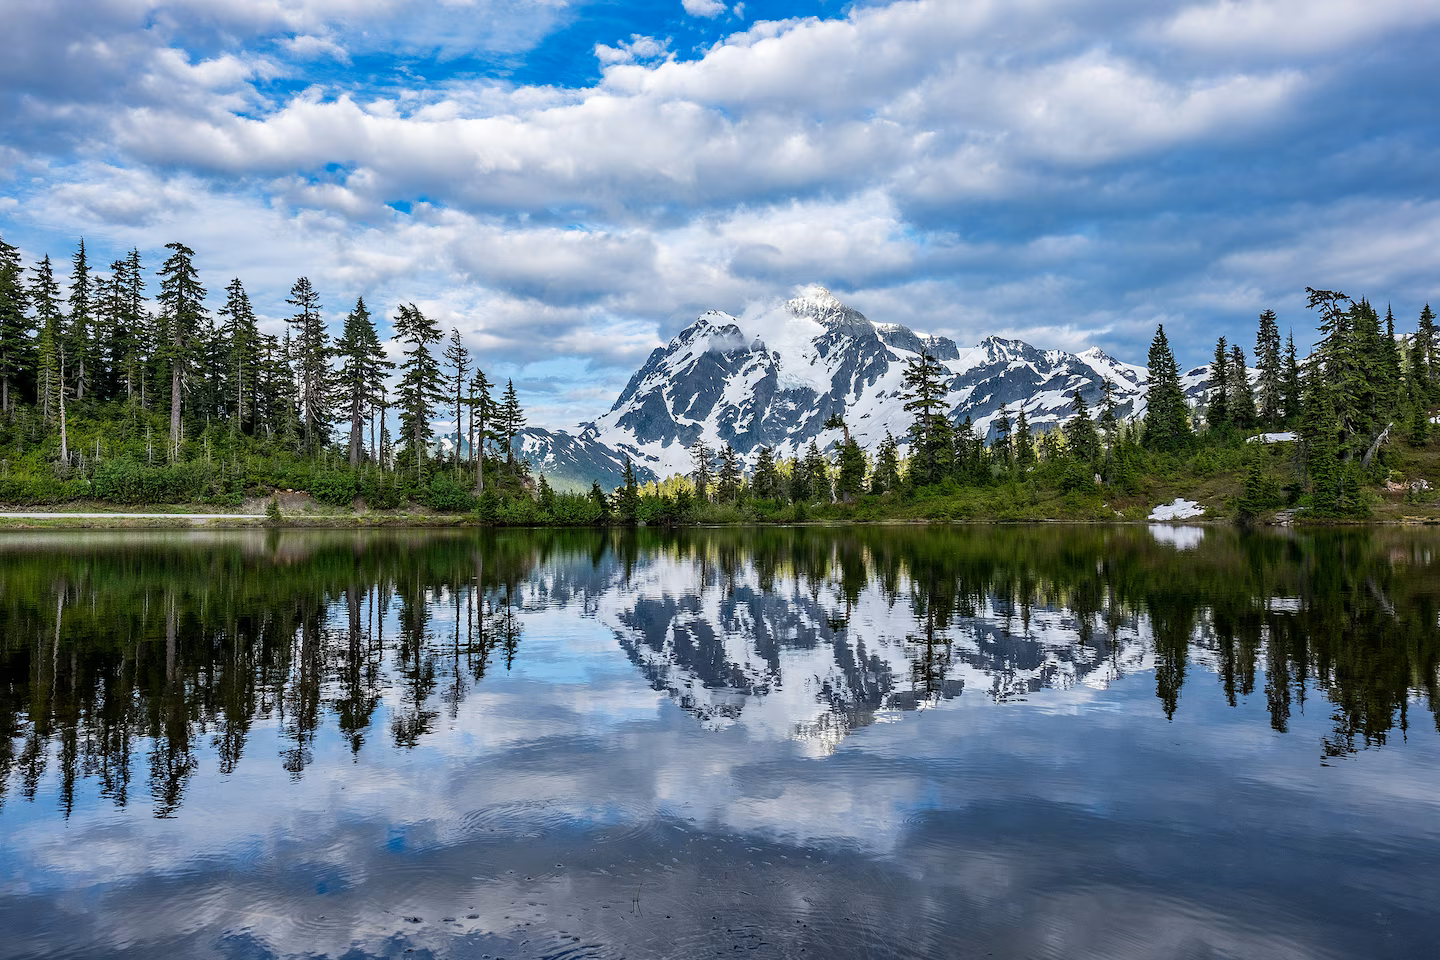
874	742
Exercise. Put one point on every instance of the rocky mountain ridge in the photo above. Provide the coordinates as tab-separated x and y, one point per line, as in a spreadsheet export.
774	376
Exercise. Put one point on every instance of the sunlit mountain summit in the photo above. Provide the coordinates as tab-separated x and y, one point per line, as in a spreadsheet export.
776	375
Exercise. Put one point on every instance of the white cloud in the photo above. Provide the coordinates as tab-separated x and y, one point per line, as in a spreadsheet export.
703	8
1278	27
637	49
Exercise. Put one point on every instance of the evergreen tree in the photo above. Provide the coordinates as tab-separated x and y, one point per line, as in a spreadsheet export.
363	367
1024	444
421	386
482	415
1272	375
701	468
1000	446
77	340
1320	433
1425	337
241	336
599	502
312	364
766	478
727	481
817	472
1167	427
886	476
1391	381
510	420
130	331
1080	436
627	498
1290	382
182	311
850	483
45	299
15	345
458	359
970	463
930	439
1240	396
1109	419
1217	407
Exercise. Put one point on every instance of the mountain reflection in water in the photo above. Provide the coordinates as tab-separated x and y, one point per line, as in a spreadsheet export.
140	671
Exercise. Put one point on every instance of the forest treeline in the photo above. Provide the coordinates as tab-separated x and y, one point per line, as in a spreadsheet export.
108	395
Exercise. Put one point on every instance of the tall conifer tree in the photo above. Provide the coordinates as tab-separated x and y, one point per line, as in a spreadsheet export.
1166	425
182	311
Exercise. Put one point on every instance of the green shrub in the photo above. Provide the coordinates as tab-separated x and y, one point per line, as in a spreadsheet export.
334	487
380	492
447	495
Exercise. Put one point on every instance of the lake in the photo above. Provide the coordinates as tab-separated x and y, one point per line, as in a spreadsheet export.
1012	741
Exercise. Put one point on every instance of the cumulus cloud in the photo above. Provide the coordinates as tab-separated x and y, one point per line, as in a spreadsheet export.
1061	171
636	49
703	8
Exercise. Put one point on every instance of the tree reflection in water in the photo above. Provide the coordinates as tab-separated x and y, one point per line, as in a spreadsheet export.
161	652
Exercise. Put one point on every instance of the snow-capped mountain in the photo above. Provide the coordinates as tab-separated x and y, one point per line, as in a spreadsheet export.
772	377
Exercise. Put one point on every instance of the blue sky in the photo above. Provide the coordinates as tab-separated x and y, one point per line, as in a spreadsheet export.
570	183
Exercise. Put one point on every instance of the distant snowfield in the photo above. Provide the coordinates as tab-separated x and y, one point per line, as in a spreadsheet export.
1288	436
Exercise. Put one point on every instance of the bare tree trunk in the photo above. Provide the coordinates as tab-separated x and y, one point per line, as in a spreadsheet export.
174	412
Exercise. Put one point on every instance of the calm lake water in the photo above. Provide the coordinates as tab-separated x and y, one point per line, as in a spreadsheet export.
878	742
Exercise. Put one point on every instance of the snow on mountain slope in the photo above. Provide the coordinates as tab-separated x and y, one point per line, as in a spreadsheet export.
774	375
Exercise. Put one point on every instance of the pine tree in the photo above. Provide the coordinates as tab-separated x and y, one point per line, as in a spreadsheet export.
482	415
1080	436
885	478
1109	419
182	311
510	420
15	346
728	480
458	359
1024	444
1272	375
599	503
970	463
924	390
766	477
1425	336
1391	387
701	468
1000	446
363	367
45	299
627	498
78	343
312	364
1217	407
1167	427
1290	382
850	483
421	385
1240	395
241	337
816	472
129	330
1320	433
